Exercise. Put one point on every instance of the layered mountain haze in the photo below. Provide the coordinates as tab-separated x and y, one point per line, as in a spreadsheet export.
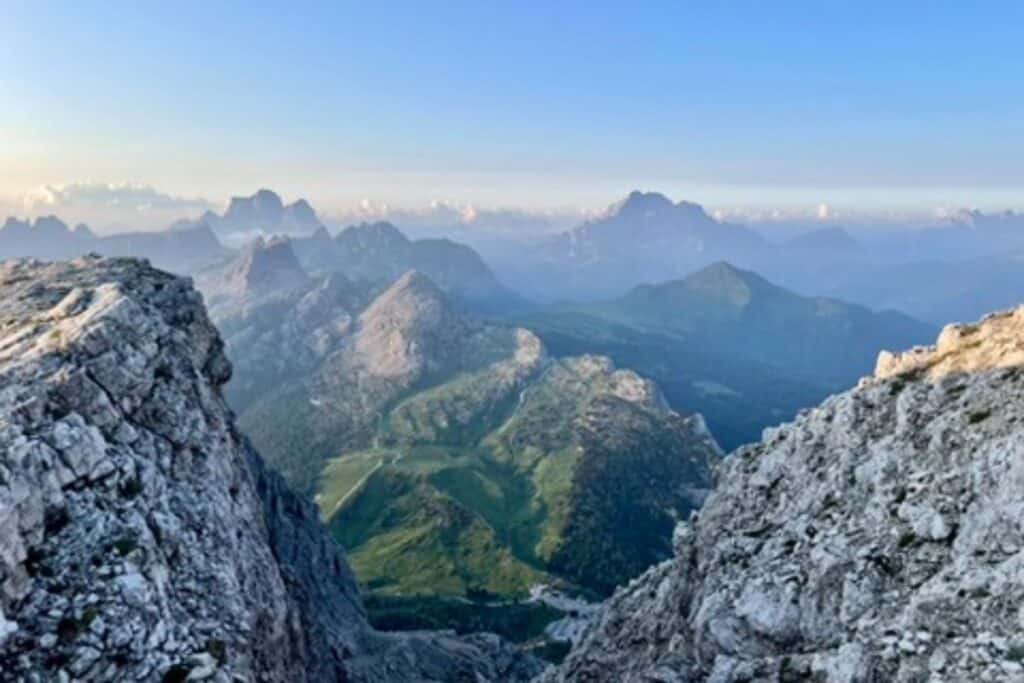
45	237
940	291
952	268
454	457
184	248
877	537
379	253
644	237
740	313
731	345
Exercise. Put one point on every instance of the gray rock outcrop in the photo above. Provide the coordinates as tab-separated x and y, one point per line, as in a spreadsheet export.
141	537
878	537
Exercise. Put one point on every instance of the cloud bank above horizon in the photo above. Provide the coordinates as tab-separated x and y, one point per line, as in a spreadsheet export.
109	207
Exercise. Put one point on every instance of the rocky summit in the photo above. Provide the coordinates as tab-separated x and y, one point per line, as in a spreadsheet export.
879	537
141	537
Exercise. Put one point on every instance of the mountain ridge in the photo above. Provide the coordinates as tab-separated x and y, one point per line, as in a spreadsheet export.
876	537
418	406
728	343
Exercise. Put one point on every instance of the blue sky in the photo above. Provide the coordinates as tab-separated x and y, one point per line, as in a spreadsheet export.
521	104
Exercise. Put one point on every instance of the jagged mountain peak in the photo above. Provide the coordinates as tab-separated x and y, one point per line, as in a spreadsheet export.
639	203
411	300
719	284
692	208
647	206
301	205
414	280
724	279
264	204
409	329
265	211
267	199
51	224
265	266
84	231
378	233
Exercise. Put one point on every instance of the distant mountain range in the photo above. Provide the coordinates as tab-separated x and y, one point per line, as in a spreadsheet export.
452	456
648	238
645	237
955	271
374	253
183	248
747	352
379	253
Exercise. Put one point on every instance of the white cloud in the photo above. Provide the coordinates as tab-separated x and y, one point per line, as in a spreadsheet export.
827	214
111	206
115	195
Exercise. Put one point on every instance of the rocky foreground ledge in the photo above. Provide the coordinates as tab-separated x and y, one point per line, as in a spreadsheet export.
141	538
878	537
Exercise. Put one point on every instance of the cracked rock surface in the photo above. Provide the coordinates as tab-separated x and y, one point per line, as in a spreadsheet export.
141	537
878	537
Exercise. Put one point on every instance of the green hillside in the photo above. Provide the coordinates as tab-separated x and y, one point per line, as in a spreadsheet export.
499	500
453	457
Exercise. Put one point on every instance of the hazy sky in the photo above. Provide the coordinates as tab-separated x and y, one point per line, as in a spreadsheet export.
520	104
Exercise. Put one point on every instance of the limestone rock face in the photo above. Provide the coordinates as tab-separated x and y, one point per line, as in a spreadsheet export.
878	537
997	341
141	537
266	269
408	328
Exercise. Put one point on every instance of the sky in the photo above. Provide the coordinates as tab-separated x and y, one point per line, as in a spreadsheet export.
556	107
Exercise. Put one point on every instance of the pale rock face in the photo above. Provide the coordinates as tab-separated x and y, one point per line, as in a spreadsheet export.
878	537
624	384
276	320
995	342
141	538
407	330
265	269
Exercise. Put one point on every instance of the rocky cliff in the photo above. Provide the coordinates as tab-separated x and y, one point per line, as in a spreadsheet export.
878	537
141	538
